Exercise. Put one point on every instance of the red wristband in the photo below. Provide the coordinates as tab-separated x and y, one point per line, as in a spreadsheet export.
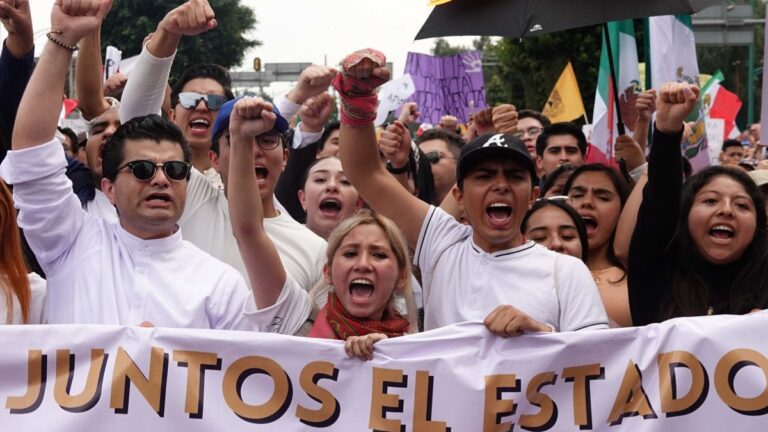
358	97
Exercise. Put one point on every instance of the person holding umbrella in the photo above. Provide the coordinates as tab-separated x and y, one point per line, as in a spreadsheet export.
485	270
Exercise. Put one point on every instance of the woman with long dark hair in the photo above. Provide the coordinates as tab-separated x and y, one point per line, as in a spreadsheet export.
598	193
698	248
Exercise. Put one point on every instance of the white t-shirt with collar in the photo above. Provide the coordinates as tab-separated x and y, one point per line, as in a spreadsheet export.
205	223
98	273
461	282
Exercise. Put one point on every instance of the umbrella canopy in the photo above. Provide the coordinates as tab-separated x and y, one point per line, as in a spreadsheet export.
525	18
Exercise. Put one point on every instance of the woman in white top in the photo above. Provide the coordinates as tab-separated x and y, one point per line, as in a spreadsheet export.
23	294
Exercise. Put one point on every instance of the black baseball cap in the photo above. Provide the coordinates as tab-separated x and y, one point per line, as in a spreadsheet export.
494	146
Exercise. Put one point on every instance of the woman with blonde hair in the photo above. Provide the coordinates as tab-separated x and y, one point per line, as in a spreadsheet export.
367	258
24	294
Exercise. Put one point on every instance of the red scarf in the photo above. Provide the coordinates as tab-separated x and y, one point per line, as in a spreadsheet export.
345	325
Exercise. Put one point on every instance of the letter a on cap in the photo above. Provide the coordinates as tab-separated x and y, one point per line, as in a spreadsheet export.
497	139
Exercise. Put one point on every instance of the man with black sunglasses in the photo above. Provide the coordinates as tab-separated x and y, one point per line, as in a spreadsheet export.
138	270
441	149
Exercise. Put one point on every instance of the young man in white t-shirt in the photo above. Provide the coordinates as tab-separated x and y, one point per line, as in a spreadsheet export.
486	270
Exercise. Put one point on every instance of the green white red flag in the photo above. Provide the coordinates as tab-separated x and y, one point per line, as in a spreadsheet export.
604	129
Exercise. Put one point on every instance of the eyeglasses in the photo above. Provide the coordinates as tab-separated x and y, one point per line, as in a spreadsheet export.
267	141
190	100
145	170
531	131
562	198
434	157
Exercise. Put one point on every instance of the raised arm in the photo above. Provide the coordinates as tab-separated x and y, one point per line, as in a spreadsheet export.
645	105
39	110
658	214
395	145
359	152
251	117
88	77
145	90
16	65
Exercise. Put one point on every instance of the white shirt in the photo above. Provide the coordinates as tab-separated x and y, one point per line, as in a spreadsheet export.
101	208
98	273
205	223
461	282
36	303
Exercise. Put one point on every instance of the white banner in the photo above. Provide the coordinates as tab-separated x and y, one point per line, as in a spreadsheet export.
707	373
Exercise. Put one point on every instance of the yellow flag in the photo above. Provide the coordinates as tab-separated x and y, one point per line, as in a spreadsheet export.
564	103
437	2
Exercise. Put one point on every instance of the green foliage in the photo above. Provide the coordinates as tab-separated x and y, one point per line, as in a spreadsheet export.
130	21
529	68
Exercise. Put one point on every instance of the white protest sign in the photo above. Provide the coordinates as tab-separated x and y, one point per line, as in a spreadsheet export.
392	95
692	374
715	138
112	61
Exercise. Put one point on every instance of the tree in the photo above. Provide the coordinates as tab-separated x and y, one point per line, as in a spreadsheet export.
130	21
528	68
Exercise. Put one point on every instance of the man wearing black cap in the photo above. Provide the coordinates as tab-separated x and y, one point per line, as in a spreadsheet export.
486	270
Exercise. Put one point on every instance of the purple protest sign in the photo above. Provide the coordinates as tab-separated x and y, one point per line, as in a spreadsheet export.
451	85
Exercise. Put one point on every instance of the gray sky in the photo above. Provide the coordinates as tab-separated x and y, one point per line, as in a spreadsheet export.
317	31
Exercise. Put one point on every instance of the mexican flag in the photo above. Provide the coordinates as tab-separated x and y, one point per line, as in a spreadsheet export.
673	50
673	59
604	131
719	103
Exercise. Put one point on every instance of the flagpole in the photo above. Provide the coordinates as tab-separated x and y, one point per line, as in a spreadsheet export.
619	123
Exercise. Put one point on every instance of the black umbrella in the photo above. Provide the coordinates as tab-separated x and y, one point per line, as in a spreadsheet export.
528	18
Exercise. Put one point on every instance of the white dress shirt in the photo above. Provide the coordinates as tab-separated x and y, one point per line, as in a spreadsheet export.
98	273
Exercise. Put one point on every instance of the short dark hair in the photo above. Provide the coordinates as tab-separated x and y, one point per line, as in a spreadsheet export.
329	128
732	143
209	71
578	222
565	169
541	118
151	127
562	128
452	140
72	136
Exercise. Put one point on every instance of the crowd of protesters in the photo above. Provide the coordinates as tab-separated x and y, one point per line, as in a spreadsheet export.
185	206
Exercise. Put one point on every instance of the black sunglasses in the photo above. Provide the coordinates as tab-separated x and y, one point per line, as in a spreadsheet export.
145	170
434	157
190	100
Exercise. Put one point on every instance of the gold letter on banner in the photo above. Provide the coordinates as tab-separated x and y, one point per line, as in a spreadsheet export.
422	410
196	363
497	408
580	376
329	409
36	376
65	371
671	403
725	374
273	408
547	415
631	400
152	388
383	403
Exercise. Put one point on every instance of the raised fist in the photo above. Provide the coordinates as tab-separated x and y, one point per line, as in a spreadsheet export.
674	103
